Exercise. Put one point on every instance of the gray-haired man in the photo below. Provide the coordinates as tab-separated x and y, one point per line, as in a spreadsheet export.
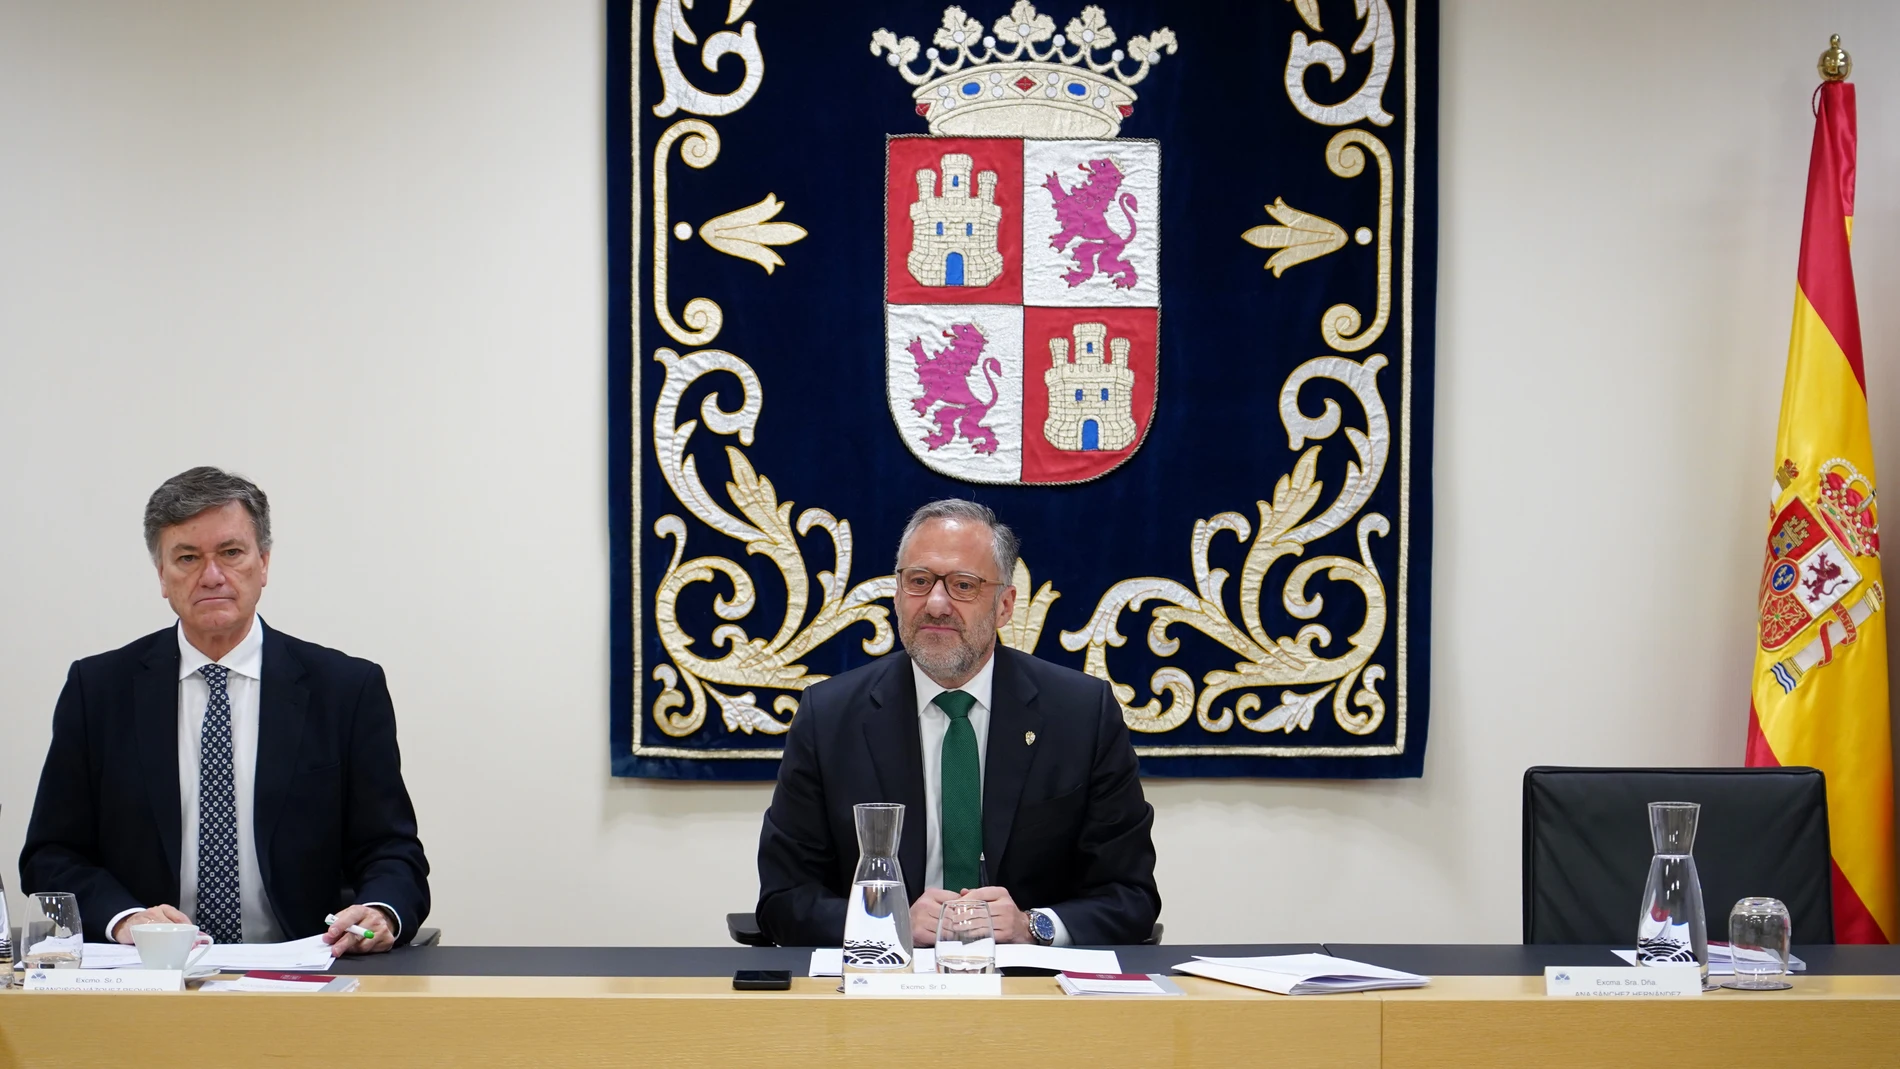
1019	782
223	773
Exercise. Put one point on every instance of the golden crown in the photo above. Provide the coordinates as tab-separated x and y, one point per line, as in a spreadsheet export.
1849	511
1023	79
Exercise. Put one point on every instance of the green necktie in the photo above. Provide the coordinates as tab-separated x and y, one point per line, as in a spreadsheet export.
962	795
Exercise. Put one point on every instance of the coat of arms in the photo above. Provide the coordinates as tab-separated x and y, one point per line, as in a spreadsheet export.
1810	574
1022	250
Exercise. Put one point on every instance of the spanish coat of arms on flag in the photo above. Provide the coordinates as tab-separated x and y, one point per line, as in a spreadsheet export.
1820	693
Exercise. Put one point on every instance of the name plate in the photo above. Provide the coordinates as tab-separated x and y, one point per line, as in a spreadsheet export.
1622	981
923	984
111	981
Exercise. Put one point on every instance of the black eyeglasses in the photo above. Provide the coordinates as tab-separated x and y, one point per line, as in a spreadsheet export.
962	586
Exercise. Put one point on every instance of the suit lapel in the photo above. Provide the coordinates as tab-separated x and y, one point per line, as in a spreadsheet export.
155	717
280	717
897	757
1013	716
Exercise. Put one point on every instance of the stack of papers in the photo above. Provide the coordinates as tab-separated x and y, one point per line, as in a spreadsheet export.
298	955
1130	983
1722	959
829	961
285	982
1302	974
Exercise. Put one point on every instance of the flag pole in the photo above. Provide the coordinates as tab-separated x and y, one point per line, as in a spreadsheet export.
1835	64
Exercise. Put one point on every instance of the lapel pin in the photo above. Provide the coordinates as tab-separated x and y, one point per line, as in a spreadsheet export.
1029	738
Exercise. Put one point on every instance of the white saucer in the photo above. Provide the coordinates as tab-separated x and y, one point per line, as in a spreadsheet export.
202	972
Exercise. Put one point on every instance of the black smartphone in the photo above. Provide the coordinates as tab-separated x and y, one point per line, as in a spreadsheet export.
762	980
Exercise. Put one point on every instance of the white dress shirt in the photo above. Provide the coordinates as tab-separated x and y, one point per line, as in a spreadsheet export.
244	684
932	725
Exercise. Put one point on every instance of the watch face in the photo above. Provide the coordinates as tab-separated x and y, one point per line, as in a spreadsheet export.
1045	928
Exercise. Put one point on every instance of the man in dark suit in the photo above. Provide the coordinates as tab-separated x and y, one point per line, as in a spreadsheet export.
220	772
1018	781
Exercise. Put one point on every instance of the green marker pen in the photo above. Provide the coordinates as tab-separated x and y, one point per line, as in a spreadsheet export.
355	929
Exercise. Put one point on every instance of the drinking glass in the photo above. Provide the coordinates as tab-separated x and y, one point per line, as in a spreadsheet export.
966	940
1758	931
50	934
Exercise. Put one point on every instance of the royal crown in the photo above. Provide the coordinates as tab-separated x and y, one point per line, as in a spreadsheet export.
1849	513
1023	79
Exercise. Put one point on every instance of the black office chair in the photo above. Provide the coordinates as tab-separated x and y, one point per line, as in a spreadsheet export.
1762	831
744	930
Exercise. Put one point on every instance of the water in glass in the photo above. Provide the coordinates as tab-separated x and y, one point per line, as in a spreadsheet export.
50	934
966	939
877	914
1673	929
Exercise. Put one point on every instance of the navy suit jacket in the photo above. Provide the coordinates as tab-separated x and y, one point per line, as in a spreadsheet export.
1065	825
332	819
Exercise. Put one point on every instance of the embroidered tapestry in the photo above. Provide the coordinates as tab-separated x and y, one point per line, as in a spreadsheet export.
1152	280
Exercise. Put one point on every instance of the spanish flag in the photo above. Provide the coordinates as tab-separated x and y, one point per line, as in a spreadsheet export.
1820	686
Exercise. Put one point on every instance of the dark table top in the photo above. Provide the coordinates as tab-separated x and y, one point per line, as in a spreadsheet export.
1448	959
1511	959
699	961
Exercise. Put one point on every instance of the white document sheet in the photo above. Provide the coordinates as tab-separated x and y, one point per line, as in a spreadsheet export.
1722	962
335	985
1302	974
109	956
829	961
298	955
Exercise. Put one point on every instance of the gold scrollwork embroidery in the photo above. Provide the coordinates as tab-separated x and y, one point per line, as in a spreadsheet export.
745	233
1024	629
765	526
679	94
1366	102
1339	322
1284	530
1301	236
699	147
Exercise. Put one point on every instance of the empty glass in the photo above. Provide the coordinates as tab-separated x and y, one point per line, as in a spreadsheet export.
966	941
1758	932
50	935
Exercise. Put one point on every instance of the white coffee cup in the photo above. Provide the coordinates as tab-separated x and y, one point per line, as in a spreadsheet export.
171	946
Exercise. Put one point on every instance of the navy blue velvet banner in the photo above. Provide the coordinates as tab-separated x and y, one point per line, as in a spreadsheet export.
1153	280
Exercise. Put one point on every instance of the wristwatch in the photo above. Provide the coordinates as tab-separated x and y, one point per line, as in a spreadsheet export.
1042	926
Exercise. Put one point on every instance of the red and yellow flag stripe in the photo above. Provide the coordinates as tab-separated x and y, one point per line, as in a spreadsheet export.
1833	715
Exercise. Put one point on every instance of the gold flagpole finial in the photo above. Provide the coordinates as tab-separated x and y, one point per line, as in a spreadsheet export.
1835	63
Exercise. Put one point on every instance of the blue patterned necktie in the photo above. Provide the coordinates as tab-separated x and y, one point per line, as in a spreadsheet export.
220	912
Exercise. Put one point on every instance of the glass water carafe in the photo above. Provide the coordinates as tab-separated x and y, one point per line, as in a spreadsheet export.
877	914
1674	929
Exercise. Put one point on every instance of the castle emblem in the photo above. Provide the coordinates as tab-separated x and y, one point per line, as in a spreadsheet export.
1100	415
1022	223
953	226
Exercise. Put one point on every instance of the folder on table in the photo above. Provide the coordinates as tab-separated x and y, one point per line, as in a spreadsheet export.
1302	974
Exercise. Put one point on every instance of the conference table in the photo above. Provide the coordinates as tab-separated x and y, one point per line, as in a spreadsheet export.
674	1006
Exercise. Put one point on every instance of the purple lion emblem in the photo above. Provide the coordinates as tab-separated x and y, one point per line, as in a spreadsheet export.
945	376
1082	213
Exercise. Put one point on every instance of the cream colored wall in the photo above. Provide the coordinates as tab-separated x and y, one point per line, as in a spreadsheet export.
354	250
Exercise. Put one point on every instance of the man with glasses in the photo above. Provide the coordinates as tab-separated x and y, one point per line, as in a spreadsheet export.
1018	779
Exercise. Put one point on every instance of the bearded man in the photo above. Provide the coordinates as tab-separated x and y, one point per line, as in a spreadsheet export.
1019	782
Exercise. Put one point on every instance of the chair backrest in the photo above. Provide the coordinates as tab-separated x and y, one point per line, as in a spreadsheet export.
1763	831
